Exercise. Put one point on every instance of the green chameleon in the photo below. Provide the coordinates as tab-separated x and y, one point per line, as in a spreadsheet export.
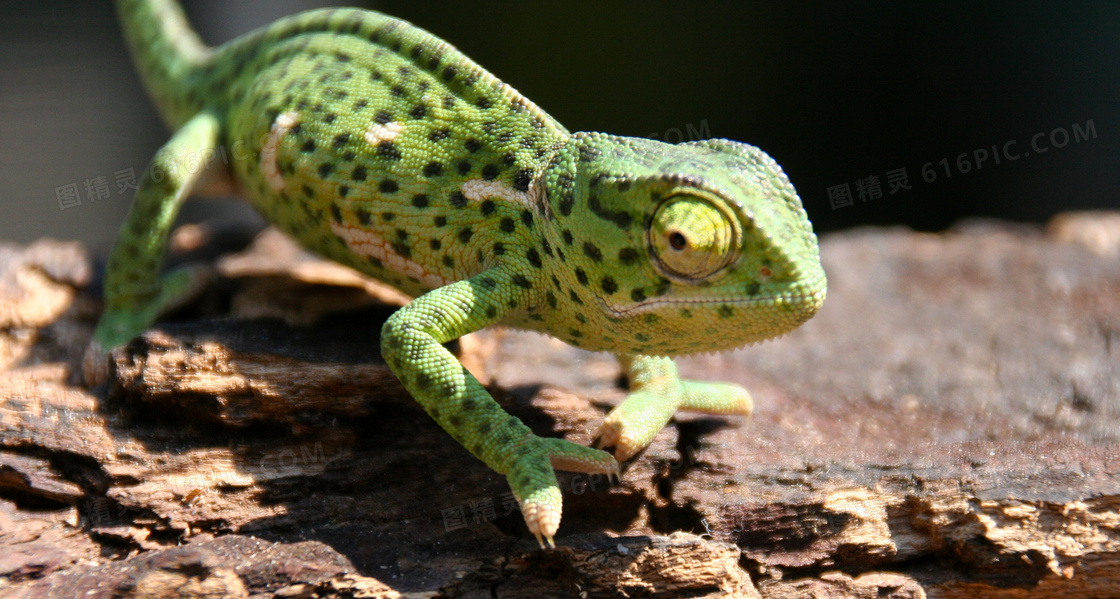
380	146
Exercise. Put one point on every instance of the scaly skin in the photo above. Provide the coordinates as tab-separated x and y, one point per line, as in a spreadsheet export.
377	145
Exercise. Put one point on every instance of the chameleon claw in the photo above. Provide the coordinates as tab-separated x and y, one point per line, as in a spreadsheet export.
543	521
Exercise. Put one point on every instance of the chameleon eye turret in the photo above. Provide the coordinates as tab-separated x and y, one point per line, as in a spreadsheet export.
378	145
691	238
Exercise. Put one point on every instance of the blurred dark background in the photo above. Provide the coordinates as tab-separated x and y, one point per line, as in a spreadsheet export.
837	92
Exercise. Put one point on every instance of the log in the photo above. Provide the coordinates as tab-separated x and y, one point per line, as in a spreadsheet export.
948	426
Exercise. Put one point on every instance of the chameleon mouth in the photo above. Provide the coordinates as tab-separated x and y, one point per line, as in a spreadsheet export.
803	296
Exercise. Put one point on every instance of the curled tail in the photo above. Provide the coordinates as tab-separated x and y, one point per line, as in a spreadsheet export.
168	54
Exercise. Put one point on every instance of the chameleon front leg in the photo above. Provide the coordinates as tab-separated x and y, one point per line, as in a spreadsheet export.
411	343
656	393
135	294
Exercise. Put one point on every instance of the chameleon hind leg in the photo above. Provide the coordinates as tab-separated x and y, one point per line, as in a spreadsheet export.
656	393
135	293
411	343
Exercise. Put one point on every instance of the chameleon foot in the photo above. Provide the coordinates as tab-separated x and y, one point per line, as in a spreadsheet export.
534	483
632	425
118	325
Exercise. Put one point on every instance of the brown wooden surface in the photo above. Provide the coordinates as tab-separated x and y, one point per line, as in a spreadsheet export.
948	426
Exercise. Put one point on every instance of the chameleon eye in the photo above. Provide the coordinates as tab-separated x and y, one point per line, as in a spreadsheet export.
691	238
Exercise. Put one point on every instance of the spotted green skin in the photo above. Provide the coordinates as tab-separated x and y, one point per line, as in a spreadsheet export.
380	146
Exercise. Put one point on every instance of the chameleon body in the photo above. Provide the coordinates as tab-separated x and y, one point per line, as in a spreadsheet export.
382	147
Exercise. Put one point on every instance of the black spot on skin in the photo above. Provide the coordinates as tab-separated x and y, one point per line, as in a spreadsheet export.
325	170
489	172
417	51
457	199
448	261
423	381
556	283
507	225
487	207
609	286
448	73
435	244
343	191
499	249
725	311
383	117
566	202
551	298
638	295
628	256
388	186
491	312
581	276
534	258
753	289
336	214
624	186
330	117
522	179
360	104
418	111
575	298
359	173
527	218
463	167
641	337
580	317
472	145
567	235
487	283
575	332
433	169
340	57
341	139
663	287
388	150
439	221
588	154
483	103
397	91
591	251
420	200
439	134
685	312
521	281
363	217
465	235
388	217
375	75
401	249
564	180
308	146
620	218
404	70
449	102
348	156
547	247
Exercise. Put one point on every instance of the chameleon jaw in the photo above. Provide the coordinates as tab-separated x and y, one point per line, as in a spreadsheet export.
812	299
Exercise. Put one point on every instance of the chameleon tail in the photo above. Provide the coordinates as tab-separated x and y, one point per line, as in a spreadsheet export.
168	54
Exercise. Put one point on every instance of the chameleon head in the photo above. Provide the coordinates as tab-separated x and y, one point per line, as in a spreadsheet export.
677	249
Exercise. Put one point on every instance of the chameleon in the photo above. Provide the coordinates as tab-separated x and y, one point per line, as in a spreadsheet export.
374	143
